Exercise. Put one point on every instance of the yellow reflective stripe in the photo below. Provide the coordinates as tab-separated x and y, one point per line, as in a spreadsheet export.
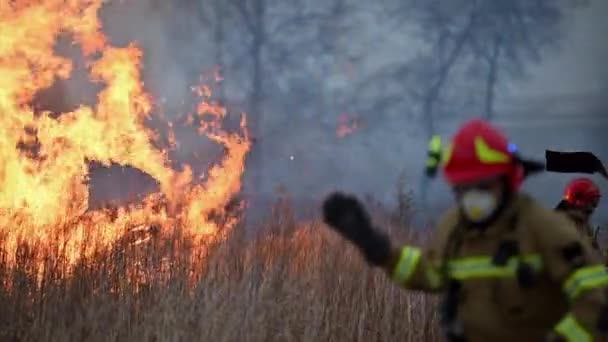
487	155
584	279
408	261
569	328
432	161
433	277
435	144
434	152
483	267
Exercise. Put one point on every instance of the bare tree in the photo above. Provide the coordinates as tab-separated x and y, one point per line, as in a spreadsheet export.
483	42
252	14
449	27
287	43
509	36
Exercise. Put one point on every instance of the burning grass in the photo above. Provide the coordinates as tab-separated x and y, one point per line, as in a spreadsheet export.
177	266
295	282
44	171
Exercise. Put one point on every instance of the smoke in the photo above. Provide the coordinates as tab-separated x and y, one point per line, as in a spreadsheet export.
305	96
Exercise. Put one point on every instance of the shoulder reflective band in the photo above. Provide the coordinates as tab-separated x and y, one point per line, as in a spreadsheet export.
408	261
584	279
487	155
435	144
572	331
483	267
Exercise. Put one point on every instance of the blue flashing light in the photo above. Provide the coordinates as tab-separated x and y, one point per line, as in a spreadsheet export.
512	148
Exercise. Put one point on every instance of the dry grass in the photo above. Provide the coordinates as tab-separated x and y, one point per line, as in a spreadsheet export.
293	283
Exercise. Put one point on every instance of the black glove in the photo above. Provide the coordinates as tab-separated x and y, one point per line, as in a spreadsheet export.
346	215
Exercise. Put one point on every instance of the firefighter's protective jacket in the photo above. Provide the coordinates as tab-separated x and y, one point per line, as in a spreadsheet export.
587	231
528	275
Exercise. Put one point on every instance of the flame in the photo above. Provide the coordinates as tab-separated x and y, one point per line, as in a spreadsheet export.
347	125
43	169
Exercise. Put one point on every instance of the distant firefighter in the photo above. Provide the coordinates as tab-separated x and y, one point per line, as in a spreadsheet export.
581	198
509	268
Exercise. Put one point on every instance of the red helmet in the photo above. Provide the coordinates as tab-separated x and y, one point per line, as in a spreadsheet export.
479	151
582	192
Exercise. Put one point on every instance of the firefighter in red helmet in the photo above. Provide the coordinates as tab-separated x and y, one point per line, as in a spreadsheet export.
509	269
581	198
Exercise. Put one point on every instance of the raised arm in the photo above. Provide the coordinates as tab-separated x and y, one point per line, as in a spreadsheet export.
409	266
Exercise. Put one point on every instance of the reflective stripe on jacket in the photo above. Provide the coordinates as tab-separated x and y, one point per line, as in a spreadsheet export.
552	282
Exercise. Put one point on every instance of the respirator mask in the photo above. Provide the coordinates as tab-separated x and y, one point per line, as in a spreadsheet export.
478	205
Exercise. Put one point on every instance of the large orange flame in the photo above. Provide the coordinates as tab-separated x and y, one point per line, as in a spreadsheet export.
43	169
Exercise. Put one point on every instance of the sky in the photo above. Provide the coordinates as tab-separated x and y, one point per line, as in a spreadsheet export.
579	65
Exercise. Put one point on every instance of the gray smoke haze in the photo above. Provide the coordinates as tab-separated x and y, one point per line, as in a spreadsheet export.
320	60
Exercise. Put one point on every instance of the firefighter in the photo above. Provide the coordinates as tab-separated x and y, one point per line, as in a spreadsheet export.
581	198
509	269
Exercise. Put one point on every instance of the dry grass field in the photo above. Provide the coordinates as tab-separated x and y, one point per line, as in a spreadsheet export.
293	282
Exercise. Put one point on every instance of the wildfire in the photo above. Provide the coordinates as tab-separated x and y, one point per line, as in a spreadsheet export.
347	125
43	169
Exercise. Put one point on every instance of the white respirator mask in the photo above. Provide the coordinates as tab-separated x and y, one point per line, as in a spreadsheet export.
478	205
